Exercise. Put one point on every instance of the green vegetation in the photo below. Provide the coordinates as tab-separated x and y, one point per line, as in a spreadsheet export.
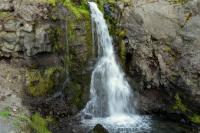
195	119
71	32
52	2
40	124
36	122
77	95
41	82
121	34
80	11
55	34
4	14
5	114
179	105
22	121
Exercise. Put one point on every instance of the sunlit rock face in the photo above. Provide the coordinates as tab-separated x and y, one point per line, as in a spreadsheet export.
162	51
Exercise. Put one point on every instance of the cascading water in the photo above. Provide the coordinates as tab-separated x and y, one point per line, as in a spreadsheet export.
110	93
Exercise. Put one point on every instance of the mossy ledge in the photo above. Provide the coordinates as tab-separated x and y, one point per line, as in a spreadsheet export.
41	82
182	108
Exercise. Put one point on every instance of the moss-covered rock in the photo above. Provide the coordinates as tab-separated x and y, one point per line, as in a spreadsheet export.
80	11
40	83
182	110
79	32
195	119
178	105
40	124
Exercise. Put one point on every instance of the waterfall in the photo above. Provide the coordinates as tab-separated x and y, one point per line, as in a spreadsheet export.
111	97
110	92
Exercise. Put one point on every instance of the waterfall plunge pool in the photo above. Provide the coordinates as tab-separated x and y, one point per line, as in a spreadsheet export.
137	124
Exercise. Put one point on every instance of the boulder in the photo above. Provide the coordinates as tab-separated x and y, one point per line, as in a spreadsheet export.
99	129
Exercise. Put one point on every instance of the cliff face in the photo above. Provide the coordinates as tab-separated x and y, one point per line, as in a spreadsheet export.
45	59
163	54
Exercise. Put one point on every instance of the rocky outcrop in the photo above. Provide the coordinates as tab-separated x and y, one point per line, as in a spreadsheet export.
46	50
32	54
31	36
162	53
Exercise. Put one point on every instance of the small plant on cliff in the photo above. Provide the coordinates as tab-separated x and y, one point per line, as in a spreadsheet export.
179	105
195	118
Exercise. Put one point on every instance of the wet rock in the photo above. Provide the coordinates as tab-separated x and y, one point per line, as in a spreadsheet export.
9	37
99	129
162	53
88	116
183	121
10	25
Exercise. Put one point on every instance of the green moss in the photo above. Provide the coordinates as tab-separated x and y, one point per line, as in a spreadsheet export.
122	52
5	114
167	49
71	32
80	11
40	124
4	14
41	82
55	35
195	119
179	106
89	39
52	2
76	94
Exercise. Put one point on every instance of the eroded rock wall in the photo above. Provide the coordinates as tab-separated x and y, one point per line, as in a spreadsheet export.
46	49
163	53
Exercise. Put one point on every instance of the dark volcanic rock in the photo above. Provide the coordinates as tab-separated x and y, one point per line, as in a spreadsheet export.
98	129
162	53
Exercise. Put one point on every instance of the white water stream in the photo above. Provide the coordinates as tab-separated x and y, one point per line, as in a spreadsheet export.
111	96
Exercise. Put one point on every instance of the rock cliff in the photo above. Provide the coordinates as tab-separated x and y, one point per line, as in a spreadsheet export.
46	57
162	54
